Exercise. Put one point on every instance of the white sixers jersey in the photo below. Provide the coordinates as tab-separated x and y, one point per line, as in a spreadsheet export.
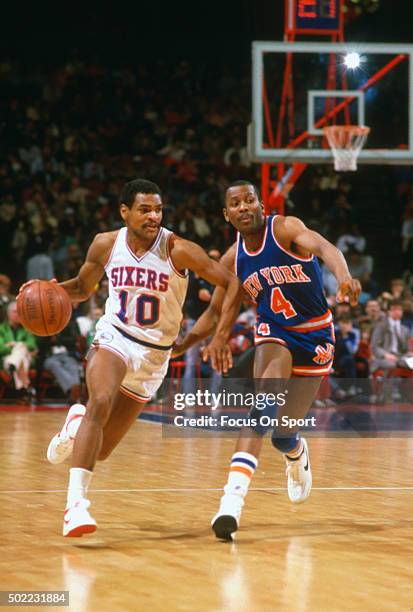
146	293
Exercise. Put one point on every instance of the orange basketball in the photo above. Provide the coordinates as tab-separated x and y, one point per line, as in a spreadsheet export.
44	308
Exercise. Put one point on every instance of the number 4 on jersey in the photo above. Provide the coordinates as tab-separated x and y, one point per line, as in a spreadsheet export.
280	305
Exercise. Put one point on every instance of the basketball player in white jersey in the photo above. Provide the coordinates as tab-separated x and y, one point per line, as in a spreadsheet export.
146	265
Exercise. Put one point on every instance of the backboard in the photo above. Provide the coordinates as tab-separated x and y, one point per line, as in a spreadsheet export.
321	91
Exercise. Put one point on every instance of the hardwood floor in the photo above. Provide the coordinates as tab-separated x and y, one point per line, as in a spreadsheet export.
349	547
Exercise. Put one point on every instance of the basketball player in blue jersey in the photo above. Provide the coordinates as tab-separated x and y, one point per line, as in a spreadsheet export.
275	258
146	266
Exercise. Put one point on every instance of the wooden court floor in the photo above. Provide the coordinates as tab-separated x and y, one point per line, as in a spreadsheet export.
349	547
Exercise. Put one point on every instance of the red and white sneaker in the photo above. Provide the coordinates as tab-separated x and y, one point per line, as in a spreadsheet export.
77	520
61	444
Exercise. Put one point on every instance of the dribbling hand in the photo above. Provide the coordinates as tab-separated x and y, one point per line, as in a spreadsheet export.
30	282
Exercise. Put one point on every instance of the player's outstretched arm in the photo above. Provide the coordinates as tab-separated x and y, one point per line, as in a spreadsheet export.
224	306
84	284
293	230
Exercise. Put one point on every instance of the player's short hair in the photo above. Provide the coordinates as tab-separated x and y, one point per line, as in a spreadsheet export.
396	302
243	182
130	189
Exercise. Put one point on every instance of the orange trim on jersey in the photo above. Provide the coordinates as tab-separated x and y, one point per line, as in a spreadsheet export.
246	471
171	263
309	373
132	395
261	339
299	257
312	324
312	370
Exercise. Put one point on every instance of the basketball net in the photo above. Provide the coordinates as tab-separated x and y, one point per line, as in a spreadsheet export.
346	142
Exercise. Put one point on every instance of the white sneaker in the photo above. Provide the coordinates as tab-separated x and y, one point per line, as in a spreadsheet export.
299	476
77	520
61	444
227	519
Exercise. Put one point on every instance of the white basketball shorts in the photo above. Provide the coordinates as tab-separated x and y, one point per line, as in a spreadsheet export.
146	367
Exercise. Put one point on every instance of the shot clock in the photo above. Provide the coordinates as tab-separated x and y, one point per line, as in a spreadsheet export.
314	16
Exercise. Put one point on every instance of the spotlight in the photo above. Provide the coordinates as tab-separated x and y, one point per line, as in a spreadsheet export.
352	60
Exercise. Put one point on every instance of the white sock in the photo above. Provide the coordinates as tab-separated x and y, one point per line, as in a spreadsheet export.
243	466
74	423
79	481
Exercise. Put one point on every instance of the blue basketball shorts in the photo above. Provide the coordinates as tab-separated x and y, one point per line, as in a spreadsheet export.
312	350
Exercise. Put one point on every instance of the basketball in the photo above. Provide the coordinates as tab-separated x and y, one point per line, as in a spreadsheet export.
44	308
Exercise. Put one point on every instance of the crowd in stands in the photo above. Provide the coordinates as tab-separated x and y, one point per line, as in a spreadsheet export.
71	136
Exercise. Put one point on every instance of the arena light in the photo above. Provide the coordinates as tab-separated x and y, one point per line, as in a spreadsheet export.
352	60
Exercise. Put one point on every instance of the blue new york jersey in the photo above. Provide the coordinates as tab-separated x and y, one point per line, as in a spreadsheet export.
287	288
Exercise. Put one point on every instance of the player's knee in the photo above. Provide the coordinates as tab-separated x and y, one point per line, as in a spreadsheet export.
284	444
99	408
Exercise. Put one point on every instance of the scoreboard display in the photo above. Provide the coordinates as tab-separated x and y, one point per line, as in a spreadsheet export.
314	16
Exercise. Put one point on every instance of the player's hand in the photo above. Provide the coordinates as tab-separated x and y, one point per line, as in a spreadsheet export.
219	352
30	282
349	291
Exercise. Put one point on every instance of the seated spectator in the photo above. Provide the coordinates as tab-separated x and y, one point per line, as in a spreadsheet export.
407	318
398	291
351	238
361	267
40	264
363	354
390	341
240	150
5	296
17	348
373	313
347	342
58	354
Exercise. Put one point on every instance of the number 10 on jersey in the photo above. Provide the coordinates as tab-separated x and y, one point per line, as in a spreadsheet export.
147	308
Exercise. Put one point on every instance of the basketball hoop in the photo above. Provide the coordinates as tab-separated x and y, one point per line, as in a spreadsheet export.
346	142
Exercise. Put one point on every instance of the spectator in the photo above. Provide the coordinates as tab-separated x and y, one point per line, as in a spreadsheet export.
390	341
40	264
5	296
241	152
58	354
351	238
407	319
361	267
397	291
17	348
347	343
373	313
